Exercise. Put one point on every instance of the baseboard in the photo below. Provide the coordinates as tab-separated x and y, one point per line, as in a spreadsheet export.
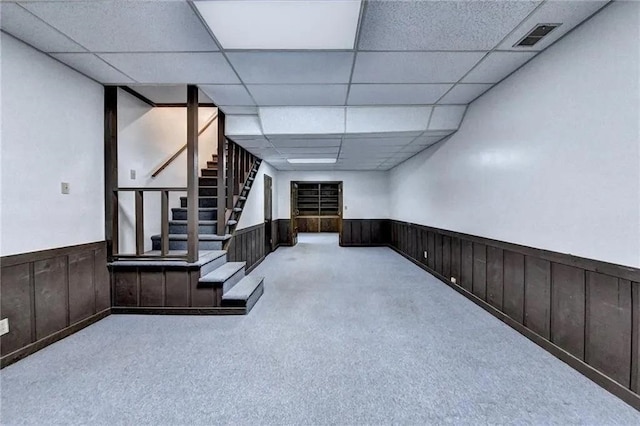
178	310
42	343
594	375
255	265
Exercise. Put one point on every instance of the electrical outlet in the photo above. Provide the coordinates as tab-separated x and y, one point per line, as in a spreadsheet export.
425	254
4	326
453	280
64	187
132	174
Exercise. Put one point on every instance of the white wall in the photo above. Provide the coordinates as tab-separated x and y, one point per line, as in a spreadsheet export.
365	194
253	210
550	157
147	137
52	132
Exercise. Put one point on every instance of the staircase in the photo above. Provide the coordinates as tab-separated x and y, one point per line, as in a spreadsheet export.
212	284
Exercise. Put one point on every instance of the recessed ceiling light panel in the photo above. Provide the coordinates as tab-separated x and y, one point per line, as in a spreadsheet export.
289	25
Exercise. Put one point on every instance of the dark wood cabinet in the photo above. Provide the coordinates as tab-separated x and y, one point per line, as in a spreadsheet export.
316	206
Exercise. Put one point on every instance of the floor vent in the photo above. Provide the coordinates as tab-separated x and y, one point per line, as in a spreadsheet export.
536	34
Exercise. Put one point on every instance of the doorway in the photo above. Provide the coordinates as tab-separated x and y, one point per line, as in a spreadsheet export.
316	207
268	214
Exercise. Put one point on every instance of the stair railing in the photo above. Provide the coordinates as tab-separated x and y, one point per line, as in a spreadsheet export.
139	223
164	165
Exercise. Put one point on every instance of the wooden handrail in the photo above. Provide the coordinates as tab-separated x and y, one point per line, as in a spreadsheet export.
182	149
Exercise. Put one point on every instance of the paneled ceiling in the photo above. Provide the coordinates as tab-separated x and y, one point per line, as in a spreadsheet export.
367	83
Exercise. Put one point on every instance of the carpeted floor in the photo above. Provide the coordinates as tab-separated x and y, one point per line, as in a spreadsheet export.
341	336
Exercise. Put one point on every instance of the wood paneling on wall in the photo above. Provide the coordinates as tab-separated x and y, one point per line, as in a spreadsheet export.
584	311
49	294
365	232
248	245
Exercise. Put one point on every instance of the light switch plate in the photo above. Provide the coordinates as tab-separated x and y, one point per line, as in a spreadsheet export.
64	187
453	280
4	326
132	174
425	254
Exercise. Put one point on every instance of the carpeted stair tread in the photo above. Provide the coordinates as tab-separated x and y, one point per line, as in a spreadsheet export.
201	237
223	273
245	293
204	257
200	222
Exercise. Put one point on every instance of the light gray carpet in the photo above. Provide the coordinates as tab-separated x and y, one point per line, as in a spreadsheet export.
341	336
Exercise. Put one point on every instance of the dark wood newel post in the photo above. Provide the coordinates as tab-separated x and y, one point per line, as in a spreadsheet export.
232	151
220	202
192	173
111	170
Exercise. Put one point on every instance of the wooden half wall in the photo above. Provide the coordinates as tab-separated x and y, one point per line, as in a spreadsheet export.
50	294
583	311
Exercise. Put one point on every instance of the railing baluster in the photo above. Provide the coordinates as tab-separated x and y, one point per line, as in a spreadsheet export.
139	223
164	233
243	170
238	178
115	233
231	174
221	225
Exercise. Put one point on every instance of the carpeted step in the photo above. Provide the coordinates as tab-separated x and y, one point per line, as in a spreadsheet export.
209	172
179	241
204	213
226	276
208	191
245	293
202	201
204	227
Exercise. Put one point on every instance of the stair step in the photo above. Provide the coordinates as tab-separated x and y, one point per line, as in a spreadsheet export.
204	213
202	201
208	191
245	293
204	226
179	241
226	276
209	172
212	164
237	209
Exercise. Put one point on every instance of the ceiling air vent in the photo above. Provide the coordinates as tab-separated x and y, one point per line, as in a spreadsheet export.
536	34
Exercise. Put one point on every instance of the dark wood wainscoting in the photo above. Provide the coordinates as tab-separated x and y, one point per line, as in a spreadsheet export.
50	294
285	234
585	312
365	232
248	246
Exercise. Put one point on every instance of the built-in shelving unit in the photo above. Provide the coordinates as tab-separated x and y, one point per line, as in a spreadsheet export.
317	206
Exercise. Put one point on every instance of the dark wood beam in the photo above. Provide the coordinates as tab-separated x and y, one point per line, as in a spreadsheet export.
111	169
192	173
221	225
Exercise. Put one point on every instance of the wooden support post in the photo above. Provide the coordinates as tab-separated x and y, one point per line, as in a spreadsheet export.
192	173
231	173
238	175
164	233
243	170
221	225
139	223
111	170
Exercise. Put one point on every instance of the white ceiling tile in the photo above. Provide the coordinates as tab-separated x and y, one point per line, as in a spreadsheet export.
173	68
392	119
305	143
496	66
565	12
167	94
292	67
424	141
299	94
399	94
91	65
127	26
367	142
464	93
302	120
312	150
23	25
447	117
242	125
440	25
228	94
282	24
259	143
243	110
413	67
370	135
